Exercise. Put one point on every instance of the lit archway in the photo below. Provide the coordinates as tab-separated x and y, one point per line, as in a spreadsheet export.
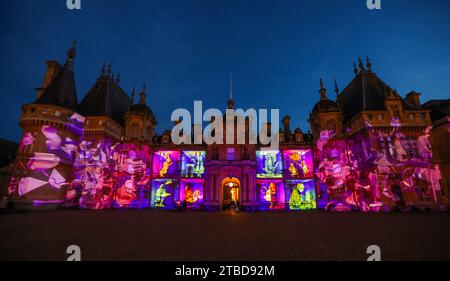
231	193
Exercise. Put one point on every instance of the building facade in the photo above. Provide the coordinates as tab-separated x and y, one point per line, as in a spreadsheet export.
372	148
368	151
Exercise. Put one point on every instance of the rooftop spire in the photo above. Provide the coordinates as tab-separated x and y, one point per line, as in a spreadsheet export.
355	69
109	70
231	86
133	93
103	69
230	92
143	94
322	91
361	65
368	64
336	88
71	54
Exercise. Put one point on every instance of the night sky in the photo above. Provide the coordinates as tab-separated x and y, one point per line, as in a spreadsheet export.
184	50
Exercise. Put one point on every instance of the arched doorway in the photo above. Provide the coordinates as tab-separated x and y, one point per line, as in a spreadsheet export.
231	193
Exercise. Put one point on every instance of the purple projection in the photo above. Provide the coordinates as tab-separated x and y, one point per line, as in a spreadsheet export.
299	163
269	164
165	163
133	177
378	172
301	195
44	173
192	192
165	193
94	169
192	164
271	194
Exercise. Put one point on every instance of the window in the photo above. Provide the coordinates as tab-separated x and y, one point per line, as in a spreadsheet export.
231	154
424	116
134	130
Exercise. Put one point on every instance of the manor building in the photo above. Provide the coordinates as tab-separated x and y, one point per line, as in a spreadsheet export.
368	150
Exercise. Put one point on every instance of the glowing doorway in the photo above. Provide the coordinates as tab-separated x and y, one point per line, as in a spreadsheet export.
231	193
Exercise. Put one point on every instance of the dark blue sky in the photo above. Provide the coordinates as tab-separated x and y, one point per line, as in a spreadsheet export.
184	50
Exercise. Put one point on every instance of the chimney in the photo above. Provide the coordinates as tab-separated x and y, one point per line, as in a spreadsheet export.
53	68
286	124
413	98
267	129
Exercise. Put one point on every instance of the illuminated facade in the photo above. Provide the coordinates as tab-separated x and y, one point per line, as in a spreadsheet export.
372	148
103	153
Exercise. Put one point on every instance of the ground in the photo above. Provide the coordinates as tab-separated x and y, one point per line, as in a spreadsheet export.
264	236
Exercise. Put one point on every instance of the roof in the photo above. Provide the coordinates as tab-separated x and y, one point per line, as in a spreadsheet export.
106	98
439	109
326	105
62	91
141	109
364	93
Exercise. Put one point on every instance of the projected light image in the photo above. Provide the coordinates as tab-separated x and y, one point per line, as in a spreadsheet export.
271	194
46	178
133	177
301	195
94	174
269	164
165	192
299	163
192	191
192	164
165	163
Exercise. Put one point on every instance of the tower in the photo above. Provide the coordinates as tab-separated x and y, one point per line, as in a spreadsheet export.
140	122
326	115
51	131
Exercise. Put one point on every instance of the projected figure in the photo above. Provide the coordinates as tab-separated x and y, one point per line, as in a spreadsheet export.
196	166
126	193
297	161
305	168
266	192
301	199
424	145
192	196
161	194
167	163
270	164
293	166
293	170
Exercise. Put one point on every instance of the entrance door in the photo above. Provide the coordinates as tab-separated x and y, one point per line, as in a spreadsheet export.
231	193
